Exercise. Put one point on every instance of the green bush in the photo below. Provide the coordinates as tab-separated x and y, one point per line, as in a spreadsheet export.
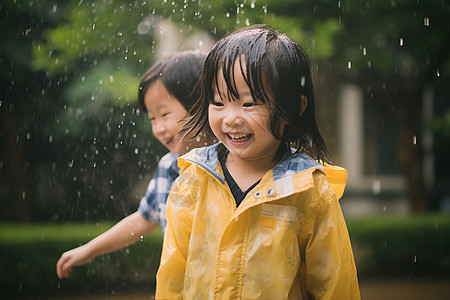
413	246
28	256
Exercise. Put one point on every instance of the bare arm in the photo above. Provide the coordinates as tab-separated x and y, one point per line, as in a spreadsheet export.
128	231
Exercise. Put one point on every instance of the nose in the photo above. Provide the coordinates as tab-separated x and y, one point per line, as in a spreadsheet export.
158	128
232	117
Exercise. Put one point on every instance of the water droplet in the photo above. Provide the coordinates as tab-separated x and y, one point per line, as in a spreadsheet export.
414	140
401	42
302	81
376	186
349	65
426	21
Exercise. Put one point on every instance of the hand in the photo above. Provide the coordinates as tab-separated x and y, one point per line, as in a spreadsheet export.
72	258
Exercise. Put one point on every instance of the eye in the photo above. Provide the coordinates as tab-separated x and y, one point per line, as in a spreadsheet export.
216	103
165	114
250	104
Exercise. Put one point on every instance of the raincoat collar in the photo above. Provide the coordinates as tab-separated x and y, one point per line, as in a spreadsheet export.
207	159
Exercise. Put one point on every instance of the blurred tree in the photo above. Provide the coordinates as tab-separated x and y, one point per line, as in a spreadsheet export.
398	50
72	141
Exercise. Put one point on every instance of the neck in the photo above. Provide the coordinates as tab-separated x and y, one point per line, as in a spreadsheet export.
246	172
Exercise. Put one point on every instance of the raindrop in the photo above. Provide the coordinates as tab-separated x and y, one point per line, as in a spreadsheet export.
376	187
415	258
426	21
302	81
414	140
437	73
349	64
136	151
364	51
401	42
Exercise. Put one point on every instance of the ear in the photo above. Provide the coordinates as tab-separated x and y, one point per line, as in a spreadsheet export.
303	104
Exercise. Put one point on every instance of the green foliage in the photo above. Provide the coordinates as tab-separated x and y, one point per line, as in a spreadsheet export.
29	254
414	245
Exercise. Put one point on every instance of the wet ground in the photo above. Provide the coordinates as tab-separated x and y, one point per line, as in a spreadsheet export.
373	289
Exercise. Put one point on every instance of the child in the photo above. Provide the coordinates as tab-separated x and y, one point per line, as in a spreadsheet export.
255	216
165	96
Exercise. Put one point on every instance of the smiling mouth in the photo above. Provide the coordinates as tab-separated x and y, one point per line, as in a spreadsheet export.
169	141
239	137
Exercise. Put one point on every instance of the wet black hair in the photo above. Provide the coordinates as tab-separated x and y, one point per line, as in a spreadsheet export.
277	72
179	73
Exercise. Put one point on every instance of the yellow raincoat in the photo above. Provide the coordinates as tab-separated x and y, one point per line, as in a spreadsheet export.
286	240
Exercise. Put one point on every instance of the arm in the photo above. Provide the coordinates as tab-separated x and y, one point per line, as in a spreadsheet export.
330	266
128	231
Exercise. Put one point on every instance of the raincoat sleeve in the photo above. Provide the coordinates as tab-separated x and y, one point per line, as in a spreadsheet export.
179	213
328	258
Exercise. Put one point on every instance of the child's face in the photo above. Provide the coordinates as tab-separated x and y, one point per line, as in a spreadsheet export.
165	112
242	125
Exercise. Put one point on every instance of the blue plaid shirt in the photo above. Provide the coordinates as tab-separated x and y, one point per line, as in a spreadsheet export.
153	205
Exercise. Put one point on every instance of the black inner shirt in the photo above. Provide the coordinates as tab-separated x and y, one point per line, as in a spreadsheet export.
238	194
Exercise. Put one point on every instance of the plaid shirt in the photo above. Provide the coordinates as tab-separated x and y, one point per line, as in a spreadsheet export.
153	205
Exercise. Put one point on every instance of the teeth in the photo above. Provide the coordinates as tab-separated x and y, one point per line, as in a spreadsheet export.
238	136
